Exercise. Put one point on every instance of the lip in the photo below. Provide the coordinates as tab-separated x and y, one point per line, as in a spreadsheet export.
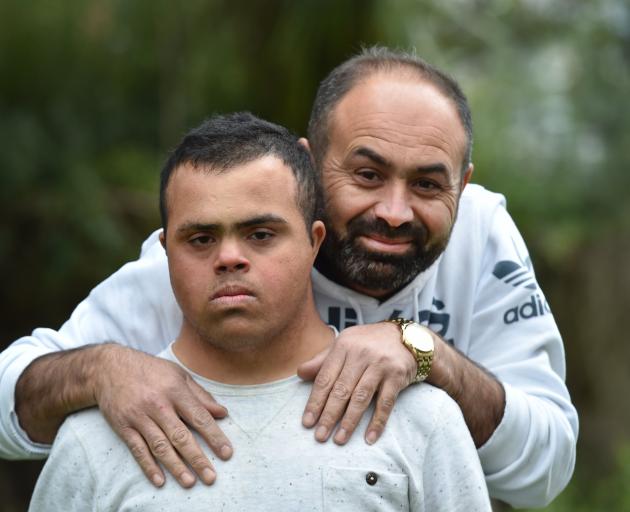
388	245
232	295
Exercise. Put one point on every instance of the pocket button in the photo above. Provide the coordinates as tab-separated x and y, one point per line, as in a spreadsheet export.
371	478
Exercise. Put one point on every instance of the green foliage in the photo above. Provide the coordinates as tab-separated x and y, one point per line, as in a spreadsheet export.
589	493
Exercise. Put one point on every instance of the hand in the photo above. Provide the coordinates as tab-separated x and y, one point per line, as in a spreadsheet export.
151	403
364	360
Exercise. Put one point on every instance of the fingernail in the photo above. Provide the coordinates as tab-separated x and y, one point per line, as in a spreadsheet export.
187	479
226	451
371	437
308	420
157	480
208	476
341	436
321	434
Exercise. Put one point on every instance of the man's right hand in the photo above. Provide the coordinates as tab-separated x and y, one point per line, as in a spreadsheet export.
151	403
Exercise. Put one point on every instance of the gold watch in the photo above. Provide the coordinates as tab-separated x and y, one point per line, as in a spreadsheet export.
419	342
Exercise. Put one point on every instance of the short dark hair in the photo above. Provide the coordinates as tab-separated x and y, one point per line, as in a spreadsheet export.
223	141
370	61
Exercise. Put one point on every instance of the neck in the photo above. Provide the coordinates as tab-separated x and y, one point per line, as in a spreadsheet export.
276	358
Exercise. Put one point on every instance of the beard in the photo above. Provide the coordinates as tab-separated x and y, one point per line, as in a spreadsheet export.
350	263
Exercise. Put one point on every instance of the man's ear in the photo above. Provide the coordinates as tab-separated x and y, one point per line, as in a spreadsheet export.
318	233
467	175
163	239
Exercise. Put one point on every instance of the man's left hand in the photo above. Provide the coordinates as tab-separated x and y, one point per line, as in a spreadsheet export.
364	360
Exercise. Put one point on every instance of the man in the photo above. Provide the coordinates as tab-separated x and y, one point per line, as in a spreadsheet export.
392	137
238	200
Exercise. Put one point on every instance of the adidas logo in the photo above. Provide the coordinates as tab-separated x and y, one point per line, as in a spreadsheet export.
535	306
515	274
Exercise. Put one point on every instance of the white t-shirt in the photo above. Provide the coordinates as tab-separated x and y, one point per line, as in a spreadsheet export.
481	296
425	460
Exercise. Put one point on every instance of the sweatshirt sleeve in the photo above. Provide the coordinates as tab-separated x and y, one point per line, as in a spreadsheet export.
67	480
135	306
530	457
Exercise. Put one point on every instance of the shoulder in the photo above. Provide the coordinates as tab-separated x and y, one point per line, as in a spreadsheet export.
87	426
479	197
478	212
477	206
425	407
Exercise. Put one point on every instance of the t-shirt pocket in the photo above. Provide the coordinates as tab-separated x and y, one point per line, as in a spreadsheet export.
364	489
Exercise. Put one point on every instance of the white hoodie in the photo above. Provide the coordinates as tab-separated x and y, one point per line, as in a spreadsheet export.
481	296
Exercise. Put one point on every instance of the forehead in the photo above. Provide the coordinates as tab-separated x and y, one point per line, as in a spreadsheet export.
264	185
400	115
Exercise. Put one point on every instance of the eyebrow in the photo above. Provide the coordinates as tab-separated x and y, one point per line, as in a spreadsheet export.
381	160
254	221
371	155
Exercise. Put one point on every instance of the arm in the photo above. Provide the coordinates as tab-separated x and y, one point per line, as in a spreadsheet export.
145	400
479	395
357	369
135	306
530	456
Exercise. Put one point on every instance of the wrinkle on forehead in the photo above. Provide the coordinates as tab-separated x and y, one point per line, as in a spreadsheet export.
405	112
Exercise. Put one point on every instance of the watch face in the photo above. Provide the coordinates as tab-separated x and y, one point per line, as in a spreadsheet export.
419	337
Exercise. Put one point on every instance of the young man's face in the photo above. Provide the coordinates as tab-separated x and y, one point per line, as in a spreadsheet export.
391	180
238	251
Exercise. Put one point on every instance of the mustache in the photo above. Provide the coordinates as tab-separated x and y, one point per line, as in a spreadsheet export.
362	226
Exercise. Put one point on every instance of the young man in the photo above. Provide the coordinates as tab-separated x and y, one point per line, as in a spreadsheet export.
238	201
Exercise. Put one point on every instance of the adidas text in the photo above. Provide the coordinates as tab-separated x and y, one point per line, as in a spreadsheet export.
536	306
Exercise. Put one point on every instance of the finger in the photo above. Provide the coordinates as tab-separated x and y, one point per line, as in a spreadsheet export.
338	399
359	403
384	405
308	370
184	442
142	454
216	409
198	417
322	385
163	450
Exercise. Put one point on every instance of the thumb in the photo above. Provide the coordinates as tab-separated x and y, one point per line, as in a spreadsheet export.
309	369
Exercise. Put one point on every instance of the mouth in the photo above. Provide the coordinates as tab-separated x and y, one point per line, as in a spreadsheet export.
232	295
379	243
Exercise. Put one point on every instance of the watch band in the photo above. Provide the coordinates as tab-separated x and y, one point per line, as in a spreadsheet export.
424	355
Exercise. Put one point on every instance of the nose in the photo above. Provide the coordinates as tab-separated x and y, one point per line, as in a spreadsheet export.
230	258
394	207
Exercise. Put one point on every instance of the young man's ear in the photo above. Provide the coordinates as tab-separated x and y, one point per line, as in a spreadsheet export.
163	239
318	233
303	141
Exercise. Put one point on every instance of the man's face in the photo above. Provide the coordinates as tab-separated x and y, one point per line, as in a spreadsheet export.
392	180
238	252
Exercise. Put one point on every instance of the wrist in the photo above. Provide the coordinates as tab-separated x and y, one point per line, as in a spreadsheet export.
442	374
418	340
103	361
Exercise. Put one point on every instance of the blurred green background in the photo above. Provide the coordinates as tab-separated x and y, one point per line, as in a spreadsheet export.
94	93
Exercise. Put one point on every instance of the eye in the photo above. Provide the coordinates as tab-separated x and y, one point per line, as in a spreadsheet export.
261	235
426	185
369	176
200	240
